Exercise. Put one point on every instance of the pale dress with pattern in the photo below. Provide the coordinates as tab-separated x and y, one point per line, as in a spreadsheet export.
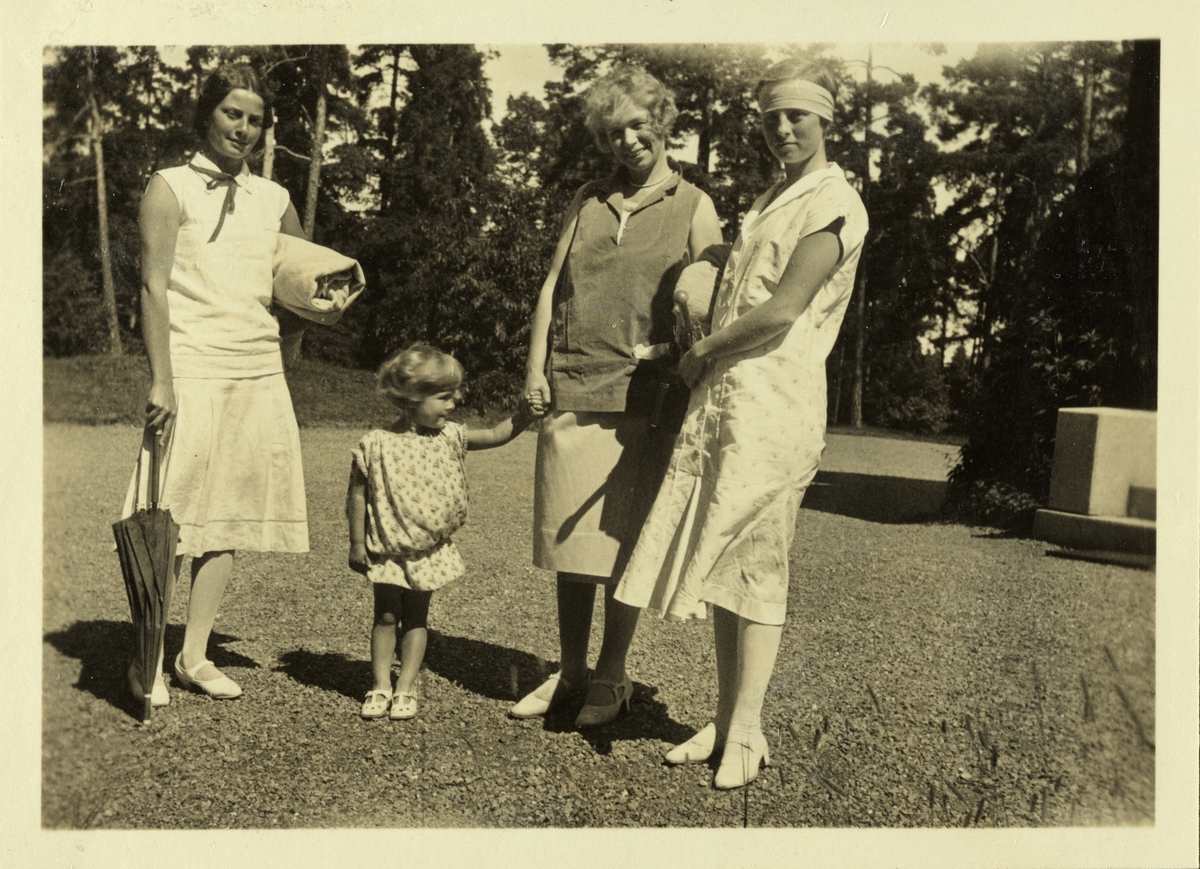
724	519
416	498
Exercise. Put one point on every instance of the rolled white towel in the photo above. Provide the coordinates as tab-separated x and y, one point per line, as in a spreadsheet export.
314	282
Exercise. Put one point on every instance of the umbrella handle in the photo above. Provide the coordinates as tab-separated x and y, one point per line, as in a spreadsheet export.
153	471
152	483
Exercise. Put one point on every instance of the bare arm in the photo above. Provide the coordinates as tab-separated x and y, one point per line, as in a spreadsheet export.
537	387
809	266
289	224
705	230
158	223
356	517
291	326
501	433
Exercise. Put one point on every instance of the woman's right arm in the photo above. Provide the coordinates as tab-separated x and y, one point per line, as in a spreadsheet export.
158	221
537	387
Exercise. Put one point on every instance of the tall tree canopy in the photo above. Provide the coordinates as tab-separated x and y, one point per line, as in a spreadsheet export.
1010	267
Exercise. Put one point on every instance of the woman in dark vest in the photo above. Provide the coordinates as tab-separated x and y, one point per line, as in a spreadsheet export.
602	322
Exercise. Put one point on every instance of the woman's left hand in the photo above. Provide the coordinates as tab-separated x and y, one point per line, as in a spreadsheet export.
691	366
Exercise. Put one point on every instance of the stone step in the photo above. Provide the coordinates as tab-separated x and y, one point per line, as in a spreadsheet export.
1112	533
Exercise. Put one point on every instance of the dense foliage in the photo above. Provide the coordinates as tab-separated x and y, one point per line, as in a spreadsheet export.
1008	272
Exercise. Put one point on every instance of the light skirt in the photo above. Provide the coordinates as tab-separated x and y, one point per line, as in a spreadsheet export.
231	474
596	477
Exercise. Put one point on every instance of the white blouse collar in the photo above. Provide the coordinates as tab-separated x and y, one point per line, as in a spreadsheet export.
798	189
242	178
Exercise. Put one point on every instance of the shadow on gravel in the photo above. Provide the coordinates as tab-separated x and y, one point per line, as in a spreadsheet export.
104	648
493	672
890	500
329	671
646	719
481	668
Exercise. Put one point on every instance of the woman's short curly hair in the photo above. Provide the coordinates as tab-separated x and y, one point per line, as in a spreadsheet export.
217	86
633	84
793	69
417	372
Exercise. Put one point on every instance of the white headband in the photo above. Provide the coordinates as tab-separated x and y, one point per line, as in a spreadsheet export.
796	93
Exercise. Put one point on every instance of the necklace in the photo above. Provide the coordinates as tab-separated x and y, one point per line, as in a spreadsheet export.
649	184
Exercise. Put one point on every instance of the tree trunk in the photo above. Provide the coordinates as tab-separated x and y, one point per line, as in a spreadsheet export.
987	312
704	142
268	169
106	276
860	340
314	164
837	385
1085	120
860	334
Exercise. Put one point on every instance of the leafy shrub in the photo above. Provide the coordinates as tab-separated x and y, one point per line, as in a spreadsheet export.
73	318
910	393
993	503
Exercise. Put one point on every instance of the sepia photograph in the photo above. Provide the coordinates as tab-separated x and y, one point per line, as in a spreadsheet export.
554	444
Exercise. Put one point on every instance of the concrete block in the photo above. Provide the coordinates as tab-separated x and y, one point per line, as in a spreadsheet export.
1142	503
1099	453
1076	531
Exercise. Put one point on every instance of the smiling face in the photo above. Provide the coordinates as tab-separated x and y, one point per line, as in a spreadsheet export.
433	410
234	129
793	135
633	139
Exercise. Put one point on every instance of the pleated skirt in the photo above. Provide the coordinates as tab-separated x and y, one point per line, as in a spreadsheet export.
231	474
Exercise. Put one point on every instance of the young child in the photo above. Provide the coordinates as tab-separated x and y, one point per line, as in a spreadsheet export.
408	494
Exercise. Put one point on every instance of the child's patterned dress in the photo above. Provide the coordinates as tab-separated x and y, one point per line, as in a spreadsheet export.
416	498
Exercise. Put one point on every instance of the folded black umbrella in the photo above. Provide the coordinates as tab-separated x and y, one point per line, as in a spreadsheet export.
146	543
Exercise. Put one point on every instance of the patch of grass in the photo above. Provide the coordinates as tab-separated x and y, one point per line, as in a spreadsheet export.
106	390
95	390
325	394
871	431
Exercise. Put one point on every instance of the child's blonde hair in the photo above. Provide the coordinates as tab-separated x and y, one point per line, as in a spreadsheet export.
417	372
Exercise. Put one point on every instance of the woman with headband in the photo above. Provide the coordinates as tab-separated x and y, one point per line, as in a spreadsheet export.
721	528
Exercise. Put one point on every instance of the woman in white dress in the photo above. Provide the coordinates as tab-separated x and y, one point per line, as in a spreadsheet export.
723	522
219	406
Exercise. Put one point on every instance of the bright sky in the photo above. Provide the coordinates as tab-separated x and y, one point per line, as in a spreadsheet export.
526	68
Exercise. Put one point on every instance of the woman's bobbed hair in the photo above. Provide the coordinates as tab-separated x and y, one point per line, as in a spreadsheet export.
636	85
417	372
793	69
218	85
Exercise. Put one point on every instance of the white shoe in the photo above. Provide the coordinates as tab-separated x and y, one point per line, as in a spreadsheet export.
745	754
159	696
220	688
699	748
376	704
538	702
404	706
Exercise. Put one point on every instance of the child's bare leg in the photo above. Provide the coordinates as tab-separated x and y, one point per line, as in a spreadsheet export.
388	603
414	614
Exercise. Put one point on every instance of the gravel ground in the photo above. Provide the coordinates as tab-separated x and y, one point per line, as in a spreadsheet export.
930	675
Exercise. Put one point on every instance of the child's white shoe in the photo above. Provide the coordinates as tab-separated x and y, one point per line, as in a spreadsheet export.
404	706
376	704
